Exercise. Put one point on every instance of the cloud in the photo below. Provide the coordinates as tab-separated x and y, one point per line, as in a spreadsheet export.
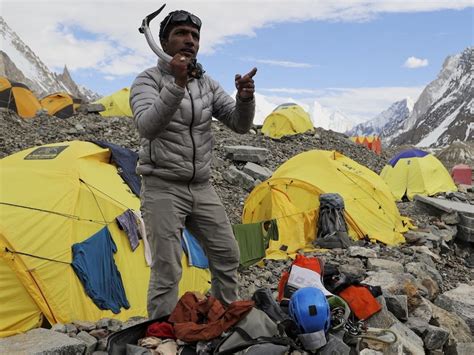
291	91
282	63
414	62
360	104
58	36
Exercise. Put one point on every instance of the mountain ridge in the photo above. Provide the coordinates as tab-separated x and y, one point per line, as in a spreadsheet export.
21	64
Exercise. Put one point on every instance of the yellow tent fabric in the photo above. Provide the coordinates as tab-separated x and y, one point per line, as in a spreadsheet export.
60	104
116	104
416	175
18	98
50	198
291	196
286	120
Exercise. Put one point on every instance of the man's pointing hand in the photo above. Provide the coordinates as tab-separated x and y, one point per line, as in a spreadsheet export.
245	84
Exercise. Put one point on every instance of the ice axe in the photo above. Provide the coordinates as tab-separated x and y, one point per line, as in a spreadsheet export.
194	68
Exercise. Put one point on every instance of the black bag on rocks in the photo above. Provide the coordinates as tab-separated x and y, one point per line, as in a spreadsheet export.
332	226
255	334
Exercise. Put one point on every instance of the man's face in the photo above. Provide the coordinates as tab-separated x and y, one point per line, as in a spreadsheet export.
182	39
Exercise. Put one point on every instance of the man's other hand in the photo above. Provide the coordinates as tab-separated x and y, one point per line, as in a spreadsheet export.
245	84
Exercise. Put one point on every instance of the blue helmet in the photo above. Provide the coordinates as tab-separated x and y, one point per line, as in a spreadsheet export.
310	310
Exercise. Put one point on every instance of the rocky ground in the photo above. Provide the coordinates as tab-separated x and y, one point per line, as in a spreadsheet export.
427	282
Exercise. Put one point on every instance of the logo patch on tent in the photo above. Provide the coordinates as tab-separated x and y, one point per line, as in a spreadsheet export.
43	153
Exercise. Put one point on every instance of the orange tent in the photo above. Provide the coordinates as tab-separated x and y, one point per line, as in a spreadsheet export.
372	143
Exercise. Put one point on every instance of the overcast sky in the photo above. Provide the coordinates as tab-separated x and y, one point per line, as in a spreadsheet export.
358	56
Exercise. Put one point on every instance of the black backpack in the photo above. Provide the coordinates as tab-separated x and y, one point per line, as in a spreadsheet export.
332	226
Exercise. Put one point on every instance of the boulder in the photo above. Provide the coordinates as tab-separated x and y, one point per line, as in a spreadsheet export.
435	337
394	284
398	305
362	252
42	341
460	301
237	177
384	265
257	171
246	153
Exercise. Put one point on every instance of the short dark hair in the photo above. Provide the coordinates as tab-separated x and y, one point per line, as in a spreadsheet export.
176	18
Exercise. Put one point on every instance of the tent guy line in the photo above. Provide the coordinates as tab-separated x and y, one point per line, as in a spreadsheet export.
77	218
35	256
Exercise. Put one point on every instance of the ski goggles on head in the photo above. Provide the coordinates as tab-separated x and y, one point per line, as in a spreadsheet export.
181	16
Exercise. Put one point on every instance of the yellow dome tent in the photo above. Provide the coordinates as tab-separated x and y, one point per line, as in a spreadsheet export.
416	172
60	104
116	104
287	120
18	97
291	196
50	198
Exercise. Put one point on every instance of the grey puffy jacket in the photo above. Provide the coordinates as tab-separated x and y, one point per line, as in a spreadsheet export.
175	123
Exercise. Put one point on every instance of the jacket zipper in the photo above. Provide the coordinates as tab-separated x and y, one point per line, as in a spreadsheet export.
191	134
149	150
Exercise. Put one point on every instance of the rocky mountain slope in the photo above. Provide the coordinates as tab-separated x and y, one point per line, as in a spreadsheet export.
19	63
387	123
444	112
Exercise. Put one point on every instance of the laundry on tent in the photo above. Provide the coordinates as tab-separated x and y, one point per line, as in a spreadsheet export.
60	104
287	120
194	251
52	197
291	197
126	160
251	241
116	104
416	172
127	222
18	98
93	262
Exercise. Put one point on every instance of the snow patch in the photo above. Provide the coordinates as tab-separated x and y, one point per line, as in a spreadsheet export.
433	136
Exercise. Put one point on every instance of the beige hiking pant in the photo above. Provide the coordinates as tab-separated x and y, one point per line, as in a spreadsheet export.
169	206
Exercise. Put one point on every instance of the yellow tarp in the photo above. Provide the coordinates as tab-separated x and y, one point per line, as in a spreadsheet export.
116	104
417	176
58	195
287	120
291	196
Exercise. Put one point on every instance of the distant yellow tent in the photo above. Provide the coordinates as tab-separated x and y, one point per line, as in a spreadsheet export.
50	198
291	196
116	104
287	120
18	98
416	172
60	104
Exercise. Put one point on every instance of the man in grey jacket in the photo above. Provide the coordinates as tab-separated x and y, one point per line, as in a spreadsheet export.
173	113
